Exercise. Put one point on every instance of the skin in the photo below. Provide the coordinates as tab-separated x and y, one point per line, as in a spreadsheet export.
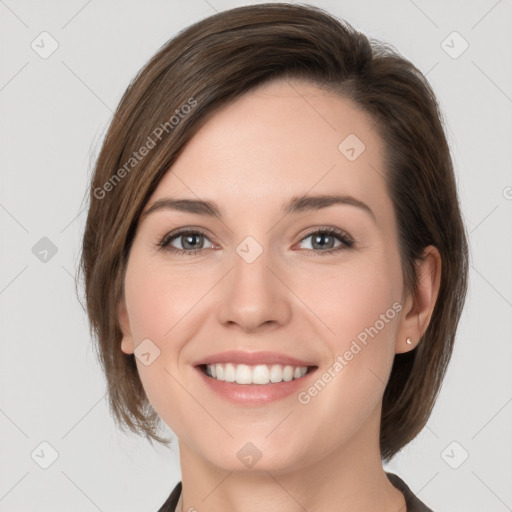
275	142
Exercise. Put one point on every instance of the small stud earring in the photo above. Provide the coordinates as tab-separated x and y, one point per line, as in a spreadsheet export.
408	341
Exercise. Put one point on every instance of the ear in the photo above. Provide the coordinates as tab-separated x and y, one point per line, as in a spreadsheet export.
418	307
127	345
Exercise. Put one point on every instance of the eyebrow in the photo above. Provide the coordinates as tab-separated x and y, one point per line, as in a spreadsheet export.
297	204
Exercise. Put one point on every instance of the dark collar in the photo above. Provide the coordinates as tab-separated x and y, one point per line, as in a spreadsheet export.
172	501
412	502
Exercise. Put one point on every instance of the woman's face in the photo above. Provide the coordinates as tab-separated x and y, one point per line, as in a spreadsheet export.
267	278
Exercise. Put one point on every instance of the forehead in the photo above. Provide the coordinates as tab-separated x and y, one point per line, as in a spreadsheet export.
283	138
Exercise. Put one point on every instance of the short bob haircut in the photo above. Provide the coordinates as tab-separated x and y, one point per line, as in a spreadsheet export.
209	65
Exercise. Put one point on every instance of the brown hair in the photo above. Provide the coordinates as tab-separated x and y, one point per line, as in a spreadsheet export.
210	64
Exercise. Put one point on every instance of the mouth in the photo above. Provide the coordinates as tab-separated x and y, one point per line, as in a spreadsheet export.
259	375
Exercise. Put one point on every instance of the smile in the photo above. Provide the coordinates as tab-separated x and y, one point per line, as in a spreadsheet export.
256	385
260	374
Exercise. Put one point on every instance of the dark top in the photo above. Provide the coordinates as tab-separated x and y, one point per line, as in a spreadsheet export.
412	502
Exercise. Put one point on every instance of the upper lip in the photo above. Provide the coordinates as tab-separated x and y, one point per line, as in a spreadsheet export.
252	358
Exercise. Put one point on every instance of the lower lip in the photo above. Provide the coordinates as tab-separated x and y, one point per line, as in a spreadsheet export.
255	394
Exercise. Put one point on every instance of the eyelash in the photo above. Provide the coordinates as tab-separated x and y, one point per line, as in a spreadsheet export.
346	241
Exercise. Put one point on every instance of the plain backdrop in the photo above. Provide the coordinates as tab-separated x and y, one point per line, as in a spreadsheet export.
55	109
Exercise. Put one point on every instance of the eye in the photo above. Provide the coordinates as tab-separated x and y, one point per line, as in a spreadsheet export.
323	241
328	240
184	242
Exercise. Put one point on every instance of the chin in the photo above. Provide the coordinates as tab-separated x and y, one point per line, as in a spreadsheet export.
255	456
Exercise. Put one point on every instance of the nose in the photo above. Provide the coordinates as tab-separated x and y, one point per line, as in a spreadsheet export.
254	296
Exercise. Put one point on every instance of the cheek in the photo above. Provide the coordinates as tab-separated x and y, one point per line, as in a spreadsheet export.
160	305
163	303
359	309
161	300
350	299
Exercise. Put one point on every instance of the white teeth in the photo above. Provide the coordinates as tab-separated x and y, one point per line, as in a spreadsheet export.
259	374
229	373
243	374
288	373
276	373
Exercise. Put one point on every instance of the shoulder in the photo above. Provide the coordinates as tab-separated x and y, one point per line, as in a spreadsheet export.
172	501
412	501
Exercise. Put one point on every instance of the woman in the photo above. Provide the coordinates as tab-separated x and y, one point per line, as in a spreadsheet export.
275	262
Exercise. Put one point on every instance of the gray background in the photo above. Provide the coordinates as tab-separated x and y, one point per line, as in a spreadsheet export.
54	112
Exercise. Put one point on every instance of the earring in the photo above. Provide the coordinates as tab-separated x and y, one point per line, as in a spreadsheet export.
408	341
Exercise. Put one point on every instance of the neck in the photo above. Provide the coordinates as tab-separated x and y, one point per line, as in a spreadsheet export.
349	478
